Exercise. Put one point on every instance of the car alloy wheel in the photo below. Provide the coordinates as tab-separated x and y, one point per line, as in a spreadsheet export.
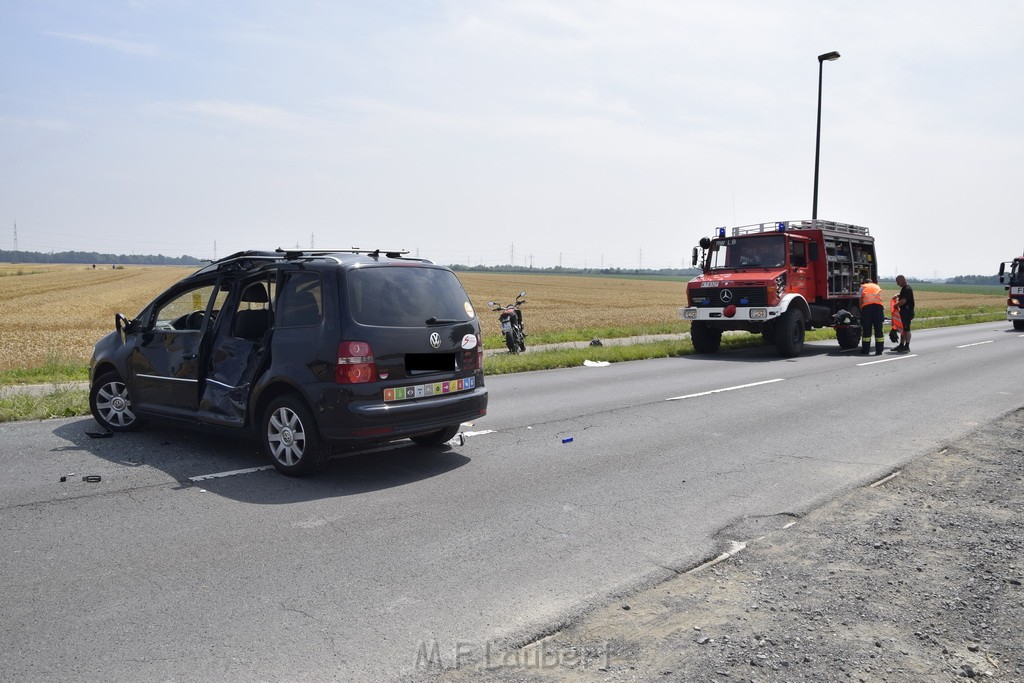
111	404
291	439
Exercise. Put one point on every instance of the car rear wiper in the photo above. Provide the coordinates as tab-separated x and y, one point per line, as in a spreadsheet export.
439	321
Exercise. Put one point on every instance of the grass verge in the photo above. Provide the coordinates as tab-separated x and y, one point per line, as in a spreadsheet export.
496	341
61	402
53	371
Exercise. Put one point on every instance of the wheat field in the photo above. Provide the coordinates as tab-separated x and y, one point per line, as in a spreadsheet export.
565	302
58	312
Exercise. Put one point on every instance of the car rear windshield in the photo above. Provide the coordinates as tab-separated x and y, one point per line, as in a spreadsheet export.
406	296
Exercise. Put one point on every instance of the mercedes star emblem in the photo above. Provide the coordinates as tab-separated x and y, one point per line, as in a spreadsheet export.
726	296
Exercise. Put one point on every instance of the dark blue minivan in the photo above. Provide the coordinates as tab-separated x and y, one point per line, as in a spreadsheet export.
315	352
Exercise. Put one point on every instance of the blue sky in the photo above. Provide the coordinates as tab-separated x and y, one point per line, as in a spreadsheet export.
581	132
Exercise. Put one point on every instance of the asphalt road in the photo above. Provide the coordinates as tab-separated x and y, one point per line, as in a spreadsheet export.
389	560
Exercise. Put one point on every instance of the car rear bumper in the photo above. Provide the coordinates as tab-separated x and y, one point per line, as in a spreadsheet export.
376	420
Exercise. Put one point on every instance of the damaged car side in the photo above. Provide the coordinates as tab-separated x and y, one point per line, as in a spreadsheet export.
314	352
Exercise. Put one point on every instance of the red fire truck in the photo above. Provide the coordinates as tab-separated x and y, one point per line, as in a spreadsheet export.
1014	281
780	279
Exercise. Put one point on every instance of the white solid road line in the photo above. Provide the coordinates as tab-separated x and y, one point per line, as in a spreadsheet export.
718	391
964	346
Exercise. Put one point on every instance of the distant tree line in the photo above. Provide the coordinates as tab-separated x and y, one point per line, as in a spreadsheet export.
96	258
973	280
559	270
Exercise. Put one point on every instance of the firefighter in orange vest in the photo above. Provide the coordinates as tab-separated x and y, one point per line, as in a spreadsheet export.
872	315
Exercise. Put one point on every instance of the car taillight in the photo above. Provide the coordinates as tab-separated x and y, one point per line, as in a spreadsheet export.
472	352
355	363
473	359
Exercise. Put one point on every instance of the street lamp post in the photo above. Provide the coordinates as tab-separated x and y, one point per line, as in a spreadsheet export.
830	57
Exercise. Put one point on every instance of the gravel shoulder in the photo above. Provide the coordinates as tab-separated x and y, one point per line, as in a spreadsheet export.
915	578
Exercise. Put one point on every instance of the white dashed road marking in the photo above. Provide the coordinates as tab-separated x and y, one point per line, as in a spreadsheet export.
886	360
718	391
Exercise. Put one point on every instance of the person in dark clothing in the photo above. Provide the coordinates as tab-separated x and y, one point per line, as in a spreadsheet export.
905	302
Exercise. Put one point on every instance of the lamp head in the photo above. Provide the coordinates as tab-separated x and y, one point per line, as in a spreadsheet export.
828	57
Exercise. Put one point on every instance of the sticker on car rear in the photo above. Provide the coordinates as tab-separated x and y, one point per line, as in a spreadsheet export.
428	390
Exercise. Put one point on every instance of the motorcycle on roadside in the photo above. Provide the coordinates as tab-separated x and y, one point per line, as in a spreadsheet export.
511	320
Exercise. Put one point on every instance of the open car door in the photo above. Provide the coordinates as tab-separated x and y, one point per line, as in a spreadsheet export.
238	352
164	362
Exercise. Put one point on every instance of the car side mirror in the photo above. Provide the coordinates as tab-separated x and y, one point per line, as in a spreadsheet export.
694	260
123	324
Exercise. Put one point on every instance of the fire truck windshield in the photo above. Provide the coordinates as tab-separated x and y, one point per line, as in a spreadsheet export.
756	251
1017	273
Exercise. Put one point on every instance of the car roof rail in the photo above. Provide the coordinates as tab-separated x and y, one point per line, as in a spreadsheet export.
298	253
246	260
240	259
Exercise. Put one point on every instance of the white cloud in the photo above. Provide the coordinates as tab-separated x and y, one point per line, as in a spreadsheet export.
55	125
126	46
246	114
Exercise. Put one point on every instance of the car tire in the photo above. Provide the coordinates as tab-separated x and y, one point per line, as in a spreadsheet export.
848	337
1018	324
111	404
705	339
290	437
437	438
789	334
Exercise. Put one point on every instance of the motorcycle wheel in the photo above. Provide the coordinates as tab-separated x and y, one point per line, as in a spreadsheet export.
510	342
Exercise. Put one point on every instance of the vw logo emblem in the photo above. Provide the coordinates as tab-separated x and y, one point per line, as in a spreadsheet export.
726	296
435	340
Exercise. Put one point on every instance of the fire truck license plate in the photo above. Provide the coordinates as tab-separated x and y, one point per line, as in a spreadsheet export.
709	284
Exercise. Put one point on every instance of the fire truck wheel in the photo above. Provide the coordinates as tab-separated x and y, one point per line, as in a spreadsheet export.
789	334
706	339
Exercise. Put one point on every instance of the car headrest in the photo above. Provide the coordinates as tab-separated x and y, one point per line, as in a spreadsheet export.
255	293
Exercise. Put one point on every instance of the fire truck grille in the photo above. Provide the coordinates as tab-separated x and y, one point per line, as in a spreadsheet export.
723	296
